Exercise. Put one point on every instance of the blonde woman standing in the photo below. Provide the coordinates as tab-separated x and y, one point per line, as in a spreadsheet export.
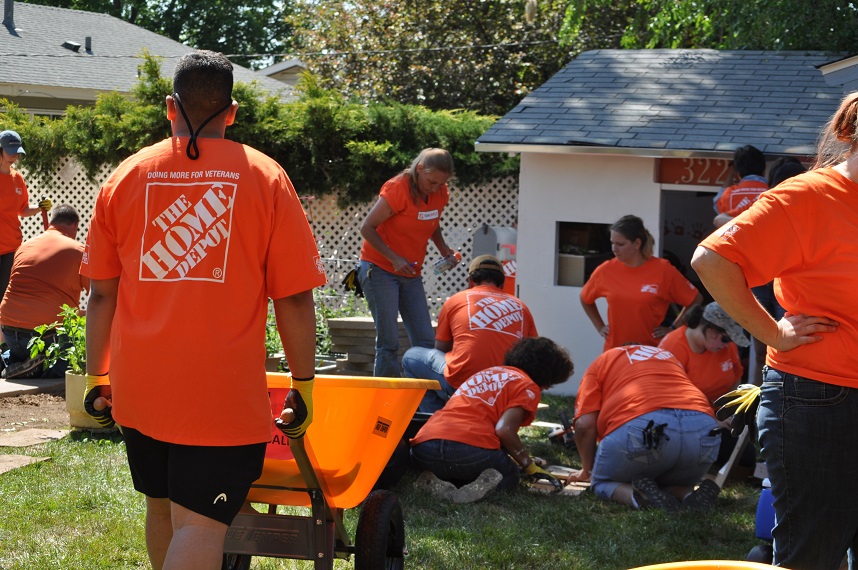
396	231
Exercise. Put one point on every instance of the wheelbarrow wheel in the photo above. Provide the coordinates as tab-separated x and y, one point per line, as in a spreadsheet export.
236	562
763	553
380	536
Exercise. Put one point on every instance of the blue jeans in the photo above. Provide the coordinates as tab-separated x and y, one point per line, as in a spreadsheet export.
428	363
765	294
17	340
680	461
809	436
461	463
389	295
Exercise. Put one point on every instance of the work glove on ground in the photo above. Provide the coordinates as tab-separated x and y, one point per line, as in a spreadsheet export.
300	400
99	387
45	204
534	472
742	404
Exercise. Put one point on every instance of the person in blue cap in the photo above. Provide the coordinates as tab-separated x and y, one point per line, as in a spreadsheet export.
14	202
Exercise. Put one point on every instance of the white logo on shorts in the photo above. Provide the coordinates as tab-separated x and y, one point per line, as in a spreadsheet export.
221	497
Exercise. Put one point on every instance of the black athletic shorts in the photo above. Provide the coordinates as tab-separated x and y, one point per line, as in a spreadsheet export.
211	481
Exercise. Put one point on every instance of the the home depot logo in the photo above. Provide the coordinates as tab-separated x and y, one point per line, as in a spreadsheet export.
499	313
488	384
187	231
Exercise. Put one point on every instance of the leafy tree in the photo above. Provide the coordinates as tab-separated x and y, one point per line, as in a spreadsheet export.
482	55
828	25
236	28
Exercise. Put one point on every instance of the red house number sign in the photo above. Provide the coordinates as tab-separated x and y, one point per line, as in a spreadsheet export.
695	171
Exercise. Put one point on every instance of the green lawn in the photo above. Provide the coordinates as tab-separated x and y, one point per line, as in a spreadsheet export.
79	511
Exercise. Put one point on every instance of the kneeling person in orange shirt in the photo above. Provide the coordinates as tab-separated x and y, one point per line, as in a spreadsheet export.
45	276
471	447
653	427
476	327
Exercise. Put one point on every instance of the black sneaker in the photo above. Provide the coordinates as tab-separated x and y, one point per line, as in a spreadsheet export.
652	495
31	368
703	498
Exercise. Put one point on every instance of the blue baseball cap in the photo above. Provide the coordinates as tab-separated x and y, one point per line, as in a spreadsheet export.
11	143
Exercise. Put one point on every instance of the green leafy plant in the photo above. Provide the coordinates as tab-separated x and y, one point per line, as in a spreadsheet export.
69	344
273	345
329	305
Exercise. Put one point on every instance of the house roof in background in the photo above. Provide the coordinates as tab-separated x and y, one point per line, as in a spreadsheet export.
33	54
675	103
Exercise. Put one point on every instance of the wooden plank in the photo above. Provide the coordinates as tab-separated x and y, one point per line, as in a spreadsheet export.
561	472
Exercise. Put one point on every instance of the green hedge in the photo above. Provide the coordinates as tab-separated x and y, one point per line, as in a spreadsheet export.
325	142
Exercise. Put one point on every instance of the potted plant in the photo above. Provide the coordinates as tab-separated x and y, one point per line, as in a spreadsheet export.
70	346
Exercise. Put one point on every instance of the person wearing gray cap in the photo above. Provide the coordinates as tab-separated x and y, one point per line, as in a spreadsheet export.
707	347
14	202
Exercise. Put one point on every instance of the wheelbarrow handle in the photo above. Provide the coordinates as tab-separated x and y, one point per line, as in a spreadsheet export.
287	416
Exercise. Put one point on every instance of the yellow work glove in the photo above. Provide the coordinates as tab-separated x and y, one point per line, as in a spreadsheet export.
742	404
300	400
534	472
45	204
98	387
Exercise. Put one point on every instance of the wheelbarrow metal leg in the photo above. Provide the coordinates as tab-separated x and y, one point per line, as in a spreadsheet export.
301	455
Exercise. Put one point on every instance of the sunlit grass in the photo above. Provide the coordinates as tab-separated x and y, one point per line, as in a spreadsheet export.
79	511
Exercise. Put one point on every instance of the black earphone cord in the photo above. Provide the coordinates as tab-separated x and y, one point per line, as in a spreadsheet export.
192	143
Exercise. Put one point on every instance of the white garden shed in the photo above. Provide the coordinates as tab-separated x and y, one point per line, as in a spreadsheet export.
651	133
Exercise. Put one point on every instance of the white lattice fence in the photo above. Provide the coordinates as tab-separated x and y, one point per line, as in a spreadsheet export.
336	230
338	236
68	185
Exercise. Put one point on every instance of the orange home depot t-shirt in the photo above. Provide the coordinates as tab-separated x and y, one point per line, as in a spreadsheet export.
408	230
45	276
737	198
13	200
803	234
638	297
715	373
629	381
199	246
483	323
471	414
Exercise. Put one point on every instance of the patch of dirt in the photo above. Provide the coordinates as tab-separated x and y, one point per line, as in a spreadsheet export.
43	410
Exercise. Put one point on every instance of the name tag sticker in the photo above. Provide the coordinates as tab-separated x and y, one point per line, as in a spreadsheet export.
429	215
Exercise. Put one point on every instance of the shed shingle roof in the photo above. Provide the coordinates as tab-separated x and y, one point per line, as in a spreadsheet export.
32	54
676	100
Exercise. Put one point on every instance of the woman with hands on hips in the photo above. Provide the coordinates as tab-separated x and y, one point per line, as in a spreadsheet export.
396	230
804	235
639	288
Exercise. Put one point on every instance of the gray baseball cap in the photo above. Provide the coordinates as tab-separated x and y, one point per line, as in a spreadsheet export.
719	317
11	143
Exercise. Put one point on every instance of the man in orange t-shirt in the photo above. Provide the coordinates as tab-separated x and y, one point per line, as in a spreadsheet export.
750	164
45	276
189	239
476	327
14	202
653	427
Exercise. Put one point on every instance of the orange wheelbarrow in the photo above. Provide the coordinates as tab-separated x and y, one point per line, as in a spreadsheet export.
357	425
